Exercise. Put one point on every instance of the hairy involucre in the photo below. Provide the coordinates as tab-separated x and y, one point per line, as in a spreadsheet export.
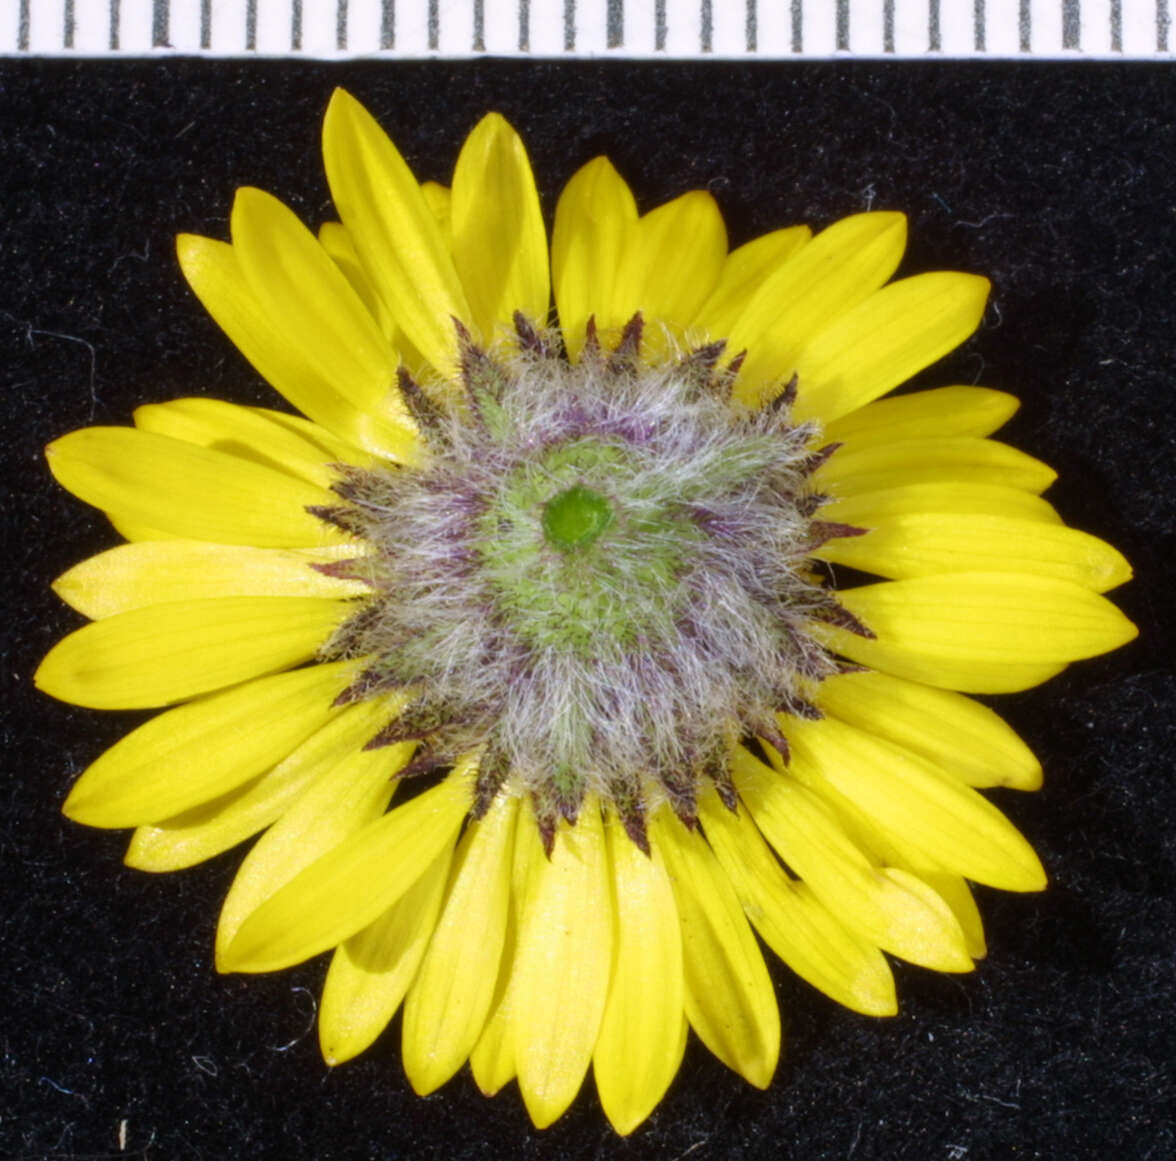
599	577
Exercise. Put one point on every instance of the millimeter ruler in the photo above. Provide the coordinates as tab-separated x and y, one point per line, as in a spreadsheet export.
675	29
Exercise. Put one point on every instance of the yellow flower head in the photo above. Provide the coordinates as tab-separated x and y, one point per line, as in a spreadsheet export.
564	591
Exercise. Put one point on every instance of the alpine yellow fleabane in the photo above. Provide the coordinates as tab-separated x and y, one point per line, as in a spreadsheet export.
520	646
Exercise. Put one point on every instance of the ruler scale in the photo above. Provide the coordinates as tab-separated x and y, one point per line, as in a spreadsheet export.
671	29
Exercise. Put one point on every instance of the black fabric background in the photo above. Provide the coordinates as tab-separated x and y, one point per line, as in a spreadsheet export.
1054	180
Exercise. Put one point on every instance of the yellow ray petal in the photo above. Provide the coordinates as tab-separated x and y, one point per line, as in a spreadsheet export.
347	796
396	234
321	441
885	905
499	240
492	1060
951	823
321	317
742	272
980	632
439	199
371	971
954	459
200	832
450	998
952	889
133	530
337	242
886	339
183	758
871	509
840	267
636	1053
187	490
286	443
133	576
956	733
213	270
791	920
972	676
943	411
888	847
925	543
166	653
956	893
670	263
562	966
729	998
593	219
352	884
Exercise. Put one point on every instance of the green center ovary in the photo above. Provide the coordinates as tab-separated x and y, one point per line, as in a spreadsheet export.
575	518
581	549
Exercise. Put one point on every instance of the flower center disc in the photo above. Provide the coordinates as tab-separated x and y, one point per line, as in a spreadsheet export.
597	583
